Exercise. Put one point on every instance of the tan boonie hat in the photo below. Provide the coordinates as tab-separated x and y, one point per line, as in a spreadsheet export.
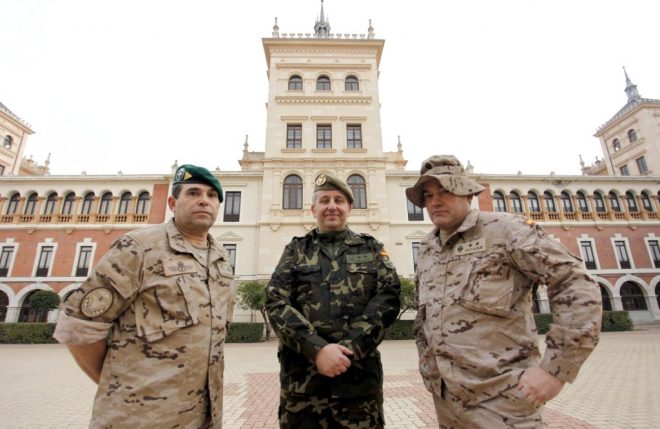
327	182
449	173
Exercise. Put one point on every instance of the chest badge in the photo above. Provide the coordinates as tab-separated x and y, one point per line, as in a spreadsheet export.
469	247
96	302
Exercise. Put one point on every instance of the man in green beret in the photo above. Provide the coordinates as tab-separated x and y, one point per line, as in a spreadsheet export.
166	295
330	299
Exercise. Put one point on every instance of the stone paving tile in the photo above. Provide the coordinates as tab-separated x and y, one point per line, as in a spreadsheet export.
618	388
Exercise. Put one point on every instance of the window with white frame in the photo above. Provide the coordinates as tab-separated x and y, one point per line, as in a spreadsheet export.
415	254
84	261
232	206
622	254
231	249
44	261
654	250
6	260
588	255
414	213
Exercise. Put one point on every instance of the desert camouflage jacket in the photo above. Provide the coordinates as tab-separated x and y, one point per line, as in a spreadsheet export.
168	304
345	292
475	325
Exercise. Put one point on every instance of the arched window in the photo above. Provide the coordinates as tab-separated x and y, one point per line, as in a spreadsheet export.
646	202
632	297
549	202
359	188
323	83
293	193
351	83
106	200
632	203
143	203
657	296
51	200
632	135
599	202
614	201
533	202
30	204
124	203
616	145
13	203
4	303
8	141
516	204
88	201
67	206
295	83
566	203
498	202
582	202
605	298
29	314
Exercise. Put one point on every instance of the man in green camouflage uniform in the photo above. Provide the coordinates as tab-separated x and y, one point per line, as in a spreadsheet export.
166	292
475	330
331	297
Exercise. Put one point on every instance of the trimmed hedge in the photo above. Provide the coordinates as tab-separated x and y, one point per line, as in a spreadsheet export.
27	333
400	330
543	321
616	321
245	333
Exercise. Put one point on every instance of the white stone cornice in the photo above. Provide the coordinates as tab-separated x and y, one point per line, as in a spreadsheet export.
229	236
294	118
328	66
417	234
284	99
352	118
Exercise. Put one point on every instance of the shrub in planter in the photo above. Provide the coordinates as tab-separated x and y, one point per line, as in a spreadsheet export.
27	333
400	330
245	333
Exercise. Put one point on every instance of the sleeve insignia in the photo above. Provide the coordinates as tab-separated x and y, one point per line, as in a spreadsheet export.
96	302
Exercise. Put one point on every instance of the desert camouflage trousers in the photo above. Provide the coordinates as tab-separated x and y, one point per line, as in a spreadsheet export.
508	410
312	412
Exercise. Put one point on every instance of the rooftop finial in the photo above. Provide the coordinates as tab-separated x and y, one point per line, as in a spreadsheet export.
322	26
276	29
631	88
370	31
399	145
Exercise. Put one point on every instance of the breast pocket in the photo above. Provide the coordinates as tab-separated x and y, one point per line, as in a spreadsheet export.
489	288
362	278
163	306
307	294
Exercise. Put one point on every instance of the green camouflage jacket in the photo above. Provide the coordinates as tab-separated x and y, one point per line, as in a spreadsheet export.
317	297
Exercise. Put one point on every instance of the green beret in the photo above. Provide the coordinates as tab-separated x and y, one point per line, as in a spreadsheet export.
189	173
327	182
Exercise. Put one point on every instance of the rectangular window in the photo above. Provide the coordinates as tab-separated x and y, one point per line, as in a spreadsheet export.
2	169
324	136
588	255
655	252
232	206
415	253
84	261
231	249
294	136
354	136
622	254
5	260
45	257
414	212
641	164
624	170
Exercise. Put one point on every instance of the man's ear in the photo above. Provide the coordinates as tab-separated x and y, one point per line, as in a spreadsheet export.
171	202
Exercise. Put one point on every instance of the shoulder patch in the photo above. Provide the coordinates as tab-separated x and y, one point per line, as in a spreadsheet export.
529	222
96	302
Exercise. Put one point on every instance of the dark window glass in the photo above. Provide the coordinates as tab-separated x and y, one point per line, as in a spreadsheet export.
588	255
354	136
582	202
632	203
646	202
293	193
641	165
323	83
67	205
9	140
49	208
88	201
533	202
84	261
655	252
614	201
632	297
566	203
616	145
498	202
5	260
124	203
599	203
2	171
323	136
294	136
414	212
232	207
622	254
143	203
415	254
605	297
549	202
13	204
516	203
231	249
624	170
351	84
632	136
106	200
359	188
30	204
45	257
295	83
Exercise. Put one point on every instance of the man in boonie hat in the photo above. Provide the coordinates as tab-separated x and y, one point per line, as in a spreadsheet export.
330	299
166	294
475	333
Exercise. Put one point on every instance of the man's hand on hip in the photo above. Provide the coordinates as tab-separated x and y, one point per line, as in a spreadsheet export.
332	360
539	386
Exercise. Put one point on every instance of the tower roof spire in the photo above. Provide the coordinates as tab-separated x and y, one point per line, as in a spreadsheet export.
322	26
631	88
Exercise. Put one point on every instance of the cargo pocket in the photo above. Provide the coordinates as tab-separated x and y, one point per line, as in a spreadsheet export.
489	289
164	307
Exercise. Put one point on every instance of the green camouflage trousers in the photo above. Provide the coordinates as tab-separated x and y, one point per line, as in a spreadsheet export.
312	412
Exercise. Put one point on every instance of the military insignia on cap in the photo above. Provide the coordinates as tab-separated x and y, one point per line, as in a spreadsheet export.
320	180
96	302
179	174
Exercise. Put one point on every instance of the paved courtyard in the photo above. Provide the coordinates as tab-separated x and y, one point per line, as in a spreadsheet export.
619	388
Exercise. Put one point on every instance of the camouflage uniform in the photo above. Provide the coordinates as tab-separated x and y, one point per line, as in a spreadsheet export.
474	325
338	287
168	304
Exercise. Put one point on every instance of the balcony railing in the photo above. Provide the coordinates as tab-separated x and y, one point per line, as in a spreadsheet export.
71	218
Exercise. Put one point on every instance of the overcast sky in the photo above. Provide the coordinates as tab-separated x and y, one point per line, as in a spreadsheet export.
134	85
